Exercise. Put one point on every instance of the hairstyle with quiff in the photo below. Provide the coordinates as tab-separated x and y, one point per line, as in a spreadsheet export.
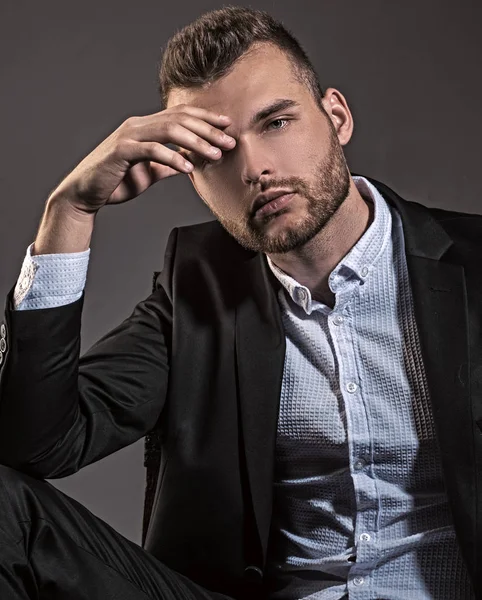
206	49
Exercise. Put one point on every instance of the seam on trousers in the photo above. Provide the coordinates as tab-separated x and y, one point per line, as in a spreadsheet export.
94	555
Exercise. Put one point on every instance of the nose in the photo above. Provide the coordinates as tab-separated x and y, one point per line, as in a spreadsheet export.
255	161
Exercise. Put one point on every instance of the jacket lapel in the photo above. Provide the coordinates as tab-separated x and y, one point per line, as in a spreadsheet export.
260	352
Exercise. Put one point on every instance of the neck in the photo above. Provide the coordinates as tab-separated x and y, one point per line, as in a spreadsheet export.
312	264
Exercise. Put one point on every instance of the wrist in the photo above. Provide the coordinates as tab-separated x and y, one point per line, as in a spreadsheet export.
68	205
64	228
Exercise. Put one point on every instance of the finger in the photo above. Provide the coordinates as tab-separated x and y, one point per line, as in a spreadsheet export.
199	137
138	179
214	118
159	172
208	132
134	152
165	128
143	128
142	175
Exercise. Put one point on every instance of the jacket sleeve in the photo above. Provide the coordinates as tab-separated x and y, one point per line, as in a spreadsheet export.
59	412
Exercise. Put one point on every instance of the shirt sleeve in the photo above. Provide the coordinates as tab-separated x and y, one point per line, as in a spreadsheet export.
49	280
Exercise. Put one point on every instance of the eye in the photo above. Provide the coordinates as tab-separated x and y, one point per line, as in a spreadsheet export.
278	121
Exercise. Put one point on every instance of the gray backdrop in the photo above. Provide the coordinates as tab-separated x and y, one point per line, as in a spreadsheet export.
71	72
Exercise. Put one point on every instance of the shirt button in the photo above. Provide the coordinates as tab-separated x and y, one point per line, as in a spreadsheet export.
364	271
358	581
359	464
365	537
351	387
338	320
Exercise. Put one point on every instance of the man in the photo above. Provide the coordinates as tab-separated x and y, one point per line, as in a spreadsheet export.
311	358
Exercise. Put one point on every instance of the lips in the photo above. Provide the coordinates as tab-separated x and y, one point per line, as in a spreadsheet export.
274	206
263	199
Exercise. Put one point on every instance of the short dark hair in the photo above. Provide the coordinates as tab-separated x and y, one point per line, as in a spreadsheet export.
207	49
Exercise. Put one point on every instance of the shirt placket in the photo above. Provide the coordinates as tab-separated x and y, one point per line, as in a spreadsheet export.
341	323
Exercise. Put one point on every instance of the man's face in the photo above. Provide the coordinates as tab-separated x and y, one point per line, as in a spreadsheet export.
294	148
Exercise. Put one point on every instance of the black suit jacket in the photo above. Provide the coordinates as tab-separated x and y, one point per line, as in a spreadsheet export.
201	358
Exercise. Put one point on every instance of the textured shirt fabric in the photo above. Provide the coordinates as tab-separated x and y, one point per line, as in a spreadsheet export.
360	507
49	280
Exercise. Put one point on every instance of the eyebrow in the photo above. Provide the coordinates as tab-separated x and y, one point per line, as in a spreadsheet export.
275	106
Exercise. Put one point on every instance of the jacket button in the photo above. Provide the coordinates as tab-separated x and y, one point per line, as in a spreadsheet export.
3	345
3	330
253	573
1	357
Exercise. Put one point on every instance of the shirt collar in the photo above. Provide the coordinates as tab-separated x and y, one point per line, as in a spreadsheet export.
360	260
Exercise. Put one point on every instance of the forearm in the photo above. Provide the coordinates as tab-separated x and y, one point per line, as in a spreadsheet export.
38	391
59	411
63	228
38	383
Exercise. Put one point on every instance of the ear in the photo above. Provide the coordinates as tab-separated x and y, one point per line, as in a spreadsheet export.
338	112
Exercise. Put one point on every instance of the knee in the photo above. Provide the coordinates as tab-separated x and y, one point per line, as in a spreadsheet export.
18	494
24	494
14	504
12	477
14	483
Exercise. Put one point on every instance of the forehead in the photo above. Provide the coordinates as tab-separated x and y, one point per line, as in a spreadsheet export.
261	75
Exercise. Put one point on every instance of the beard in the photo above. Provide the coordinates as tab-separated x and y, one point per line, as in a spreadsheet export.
324	196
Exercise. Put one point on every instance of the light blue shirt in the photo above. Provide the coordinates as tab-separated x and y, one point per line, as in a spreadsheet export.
360	507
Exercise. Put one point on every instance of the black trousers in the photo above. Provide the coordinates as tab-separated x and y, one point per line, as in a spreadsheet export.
52	547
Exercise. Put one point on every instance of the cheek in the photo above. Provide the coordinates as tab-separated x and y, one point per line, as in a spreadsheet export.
294	154
217	194
216	197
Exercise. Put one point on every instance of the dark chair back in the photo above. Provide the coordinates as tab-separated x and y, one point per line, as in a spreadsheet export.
152	459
